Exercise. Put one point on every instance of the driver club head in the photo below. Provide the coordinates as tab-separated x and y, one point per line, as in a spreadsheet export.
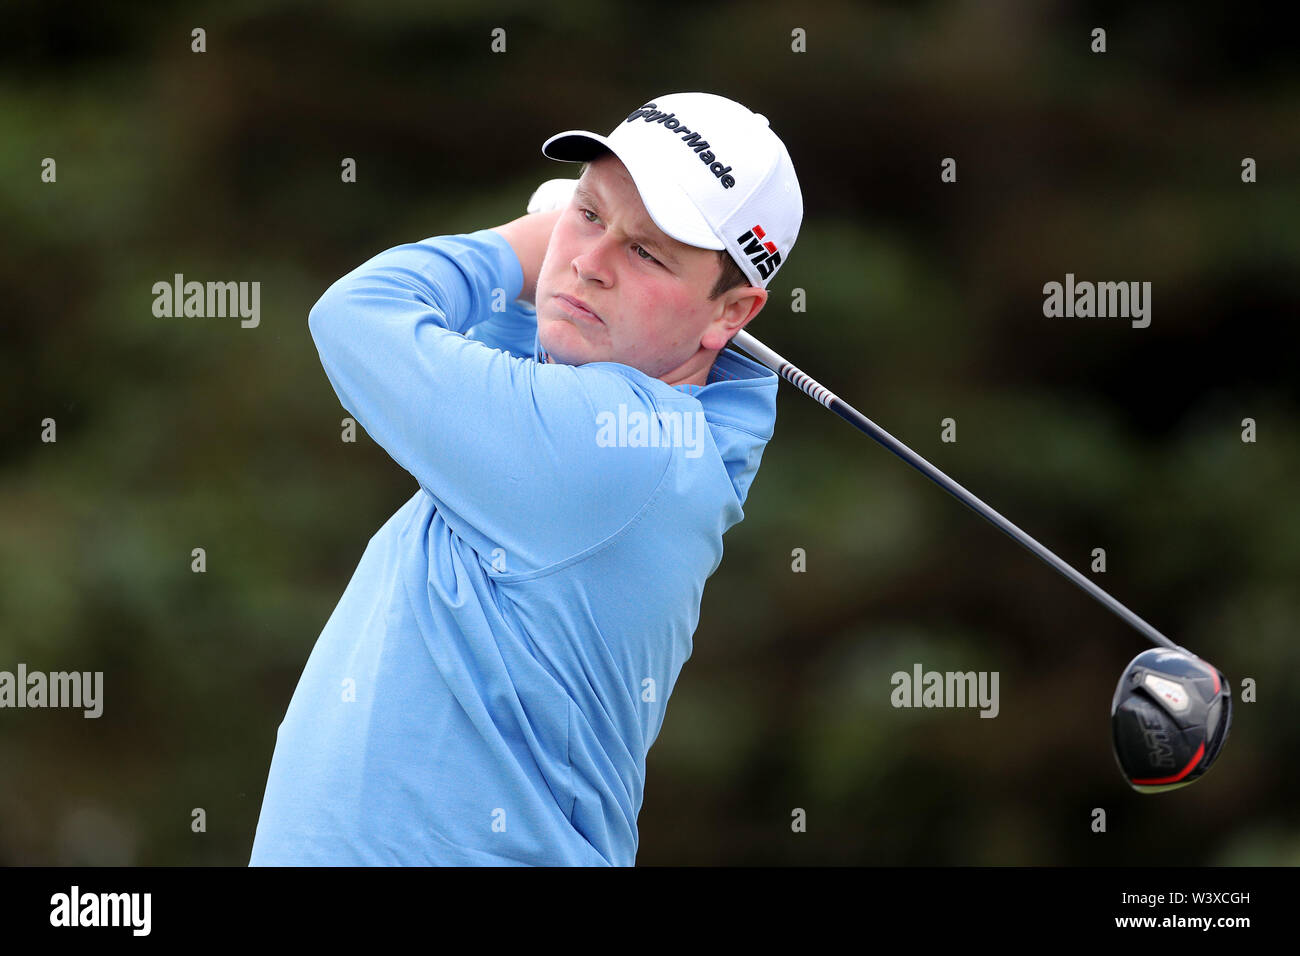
1169	719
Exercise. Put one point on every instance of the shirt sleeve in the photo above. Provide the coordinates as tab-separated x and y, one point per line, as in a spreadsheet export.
507	447
512	330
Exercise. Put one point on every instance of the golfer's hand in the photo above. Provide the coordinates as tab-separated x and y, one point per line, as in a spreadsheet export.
552	194
529	236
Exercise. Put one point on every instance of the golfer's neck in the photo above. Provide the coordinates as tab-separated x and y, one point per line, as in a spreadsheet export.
694	372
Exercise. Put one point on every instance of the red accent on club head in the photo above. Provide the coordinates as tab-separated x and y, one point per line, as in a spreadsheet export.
770	247
758	231
1200	752
1215	672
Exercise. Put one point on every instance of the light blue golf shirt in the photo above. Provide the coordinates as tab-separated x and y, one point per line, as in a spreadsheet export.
488	686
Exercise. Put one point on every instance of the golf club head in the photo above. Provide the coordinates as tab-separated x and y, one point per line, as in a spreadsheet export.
1169	719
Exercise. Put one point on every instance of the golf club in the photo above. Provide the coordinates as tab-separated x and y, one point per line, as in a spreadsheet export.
1171	711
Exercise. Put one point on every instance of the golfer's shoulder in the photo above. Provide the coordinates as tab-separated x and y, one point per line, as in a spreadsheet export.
591	428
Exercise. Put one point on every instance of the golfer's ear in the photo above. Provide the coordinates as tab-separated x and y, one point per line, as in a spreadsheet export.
745	303
742	305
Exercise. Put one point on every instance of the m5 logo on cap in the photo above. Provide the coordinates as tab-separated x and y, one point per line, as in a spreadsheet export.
761	253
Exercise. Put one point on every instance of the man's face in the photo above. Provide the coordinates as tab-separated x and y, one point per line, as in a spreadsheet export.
648	291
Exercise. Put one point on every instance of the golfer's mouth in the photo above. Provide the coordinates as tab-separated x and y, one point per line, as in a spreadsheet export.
577	308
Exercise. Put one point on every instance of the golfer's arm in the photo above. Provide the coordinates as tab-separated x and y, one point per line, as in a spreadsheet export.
528	236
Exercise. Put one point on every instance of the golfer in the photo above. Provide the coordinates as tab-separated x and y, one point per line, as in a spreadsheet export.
488	686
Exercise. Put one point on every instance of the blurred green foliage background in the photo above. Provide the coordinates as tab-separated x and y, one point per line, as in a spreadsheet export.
924	302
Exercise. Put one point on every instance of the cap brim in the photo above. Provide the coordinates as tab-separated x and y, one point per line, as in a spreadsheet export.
665	200
574	146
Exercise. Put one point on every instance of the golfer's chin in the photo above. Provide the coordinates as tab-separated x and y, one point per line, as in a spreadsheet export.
564	342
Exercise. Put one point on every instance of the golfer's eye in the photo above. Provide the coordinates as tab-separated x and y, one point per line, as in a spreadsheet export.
647	257
641	252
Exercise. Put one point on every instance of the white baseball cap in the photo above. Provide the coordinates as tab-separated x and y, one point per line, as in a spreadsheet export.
710	172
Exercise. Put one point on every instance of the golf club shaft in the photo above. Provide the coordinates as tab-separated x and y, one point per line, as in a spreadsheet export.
826	397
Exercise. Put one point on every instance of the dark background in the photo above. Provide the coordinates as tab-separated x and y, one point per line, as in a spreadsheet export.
924	302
